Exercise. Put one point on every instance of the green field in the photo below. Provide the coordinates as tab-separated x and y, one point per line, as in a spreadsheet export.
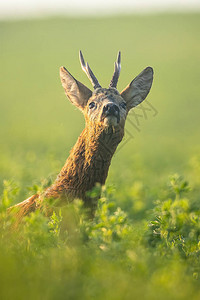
144	242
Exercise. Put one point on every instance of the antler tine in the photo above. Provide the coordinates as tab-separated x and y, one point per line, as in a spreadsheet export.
86	68
117	70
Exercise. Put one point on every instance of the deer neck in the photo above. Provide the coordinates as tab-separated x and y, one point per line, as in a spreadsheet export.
92	153
88	162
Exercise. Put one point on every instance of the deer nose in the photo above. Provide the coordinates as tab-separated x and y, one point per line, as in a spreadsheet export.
111	109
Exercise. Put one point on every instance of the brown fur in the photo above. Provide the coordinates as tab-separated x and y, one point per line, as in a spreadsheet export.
87	164
90	158
23	208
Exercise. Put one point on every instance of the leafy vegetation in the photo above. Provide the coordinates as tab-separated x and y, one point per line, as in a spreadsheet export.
112	256
144	241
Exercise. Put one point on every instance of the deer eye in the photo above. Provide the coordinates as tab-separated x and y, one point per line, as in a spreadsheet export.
91	105
123	105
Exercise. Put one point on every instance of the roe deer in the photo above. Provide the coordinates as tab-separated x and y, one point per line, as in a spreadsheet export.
105	111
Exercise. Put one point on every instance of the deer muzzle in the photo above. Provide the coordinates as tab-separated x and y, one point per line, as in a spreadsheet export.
111	114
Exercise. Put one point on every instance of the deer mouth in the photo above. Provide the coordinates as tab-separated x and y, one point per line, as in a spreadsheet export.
111	120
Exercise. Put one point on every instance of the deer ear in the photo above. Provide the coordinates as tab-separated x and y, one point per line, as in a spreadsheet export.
77	92
138	89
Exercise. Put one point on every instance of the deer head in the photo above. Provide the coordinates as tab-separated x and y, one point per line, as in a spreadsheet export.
106	107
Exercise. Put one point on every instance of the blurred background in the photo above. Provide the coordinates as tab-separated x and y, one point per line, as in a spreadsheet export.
39	125
144	242
33	8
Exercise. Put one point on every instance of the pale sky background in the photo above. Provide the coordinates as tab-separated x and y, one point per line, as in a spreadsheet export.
32	8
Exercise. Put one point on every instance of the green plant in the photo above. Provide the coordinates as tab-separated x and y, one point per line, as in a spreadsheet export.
176	227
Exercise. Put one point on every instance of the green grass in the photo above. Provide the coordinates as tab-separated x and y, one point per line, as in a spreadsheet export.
147	249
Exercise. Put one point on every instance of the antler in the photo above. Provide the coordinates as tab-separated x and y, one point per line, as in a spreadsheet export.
88	71
117	70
